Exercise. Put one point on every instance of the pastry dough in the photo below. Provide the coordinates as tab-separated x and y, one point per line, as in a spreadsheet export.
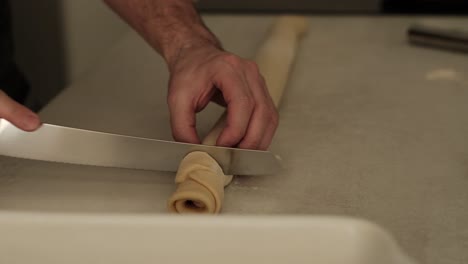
200	185
200	180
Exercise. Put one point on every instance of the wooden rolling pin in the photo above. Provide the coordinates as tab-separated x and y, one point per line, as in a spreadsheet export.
200	180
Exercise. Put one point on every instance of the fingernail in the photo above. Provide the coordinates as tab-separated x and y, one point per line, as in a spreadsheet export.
32	122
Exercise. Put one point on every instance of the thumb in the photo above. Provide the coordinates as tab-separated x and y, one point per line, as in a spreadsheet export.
18	115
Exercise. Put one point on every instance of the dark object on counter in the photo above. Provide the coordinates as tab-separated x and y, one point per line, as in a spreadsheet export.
337	6
451	39
425	6
294	6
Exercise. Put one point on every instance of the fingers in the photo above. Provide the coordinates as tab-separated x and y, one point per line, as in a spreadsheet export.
261	129
252	118
183	120
268	137
229	80
264	120
240	106
17	114
183	106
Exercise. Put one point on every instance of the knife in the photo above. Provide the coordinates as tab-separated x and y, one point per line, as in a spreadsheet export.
85	147
439	37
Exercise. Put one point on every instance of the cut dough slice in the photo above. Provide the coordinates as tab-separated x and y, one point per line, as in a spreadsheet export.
200	185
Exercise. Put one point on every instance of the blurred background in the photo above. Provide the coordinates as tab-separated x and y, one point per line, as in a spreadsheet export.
339	6
57	40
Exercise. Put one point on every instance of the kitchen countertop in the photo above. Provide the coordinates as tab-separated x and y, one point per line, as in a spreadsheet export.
369	127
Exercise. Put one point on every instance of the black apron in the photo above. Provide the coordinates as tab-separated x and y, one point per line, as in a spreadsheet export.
12	82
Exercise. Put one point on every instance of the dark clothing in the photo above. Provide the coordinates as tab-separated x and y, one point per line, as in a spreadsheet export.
12	81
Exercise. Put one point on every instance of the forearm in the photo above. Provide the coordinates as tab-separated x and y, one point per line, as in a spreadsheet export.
169	26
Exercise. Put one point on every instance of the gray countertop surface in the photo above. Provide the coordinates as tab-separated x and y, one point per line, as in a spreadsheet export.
370	126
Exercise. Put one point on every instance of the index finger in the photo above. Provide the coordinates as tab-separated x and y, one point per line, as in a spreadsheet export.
17	114
240	105
183	119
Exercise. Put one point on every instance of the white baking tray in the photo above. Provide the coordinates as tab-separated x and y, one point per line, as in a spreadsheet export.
115	239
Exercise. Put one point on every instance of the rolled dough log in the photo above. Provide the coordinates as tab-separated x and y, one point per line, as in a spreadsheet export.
200	180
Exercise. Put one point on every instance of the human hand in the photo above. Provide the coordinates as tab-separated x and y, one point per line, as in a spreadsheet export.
17	114
201	74
201	71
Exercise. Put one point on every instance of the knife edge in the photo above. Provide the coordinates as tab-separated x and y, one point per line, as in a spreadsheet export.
60	144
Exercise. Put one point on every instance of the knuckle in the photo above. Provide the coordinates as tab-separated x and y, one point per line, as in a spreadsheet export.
253	66
232	59
176	93
249	103
172	98
246	101
263	110
271	115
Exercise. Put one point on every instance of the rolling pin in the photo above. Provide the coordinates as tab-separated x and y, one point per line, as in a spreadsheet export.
200	180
